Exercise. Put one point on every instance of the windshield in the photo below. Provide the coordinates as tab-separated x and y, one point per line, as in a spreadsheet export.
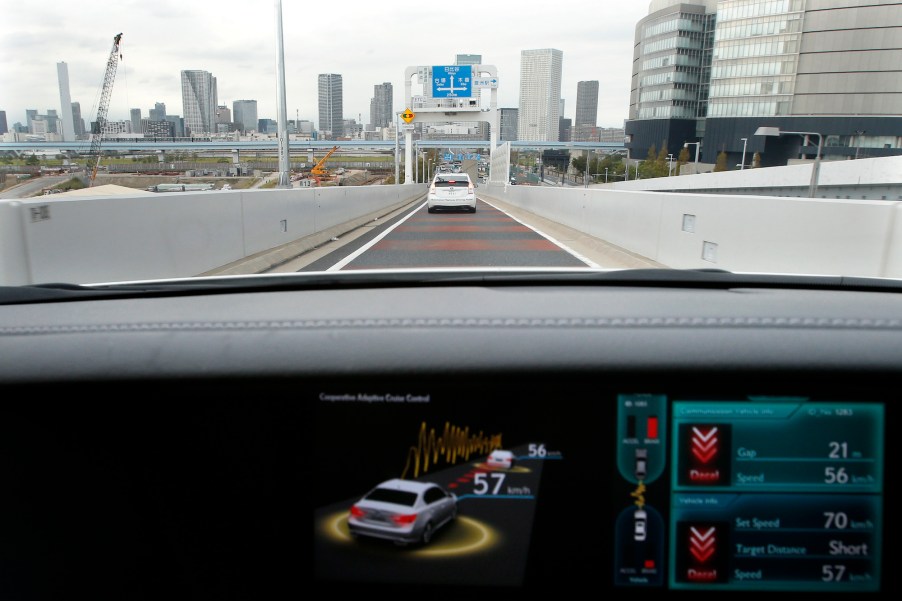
148	141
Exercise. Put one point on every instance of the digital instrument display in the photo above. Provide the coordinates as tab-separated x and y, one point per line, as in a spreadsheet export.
764	494
467	487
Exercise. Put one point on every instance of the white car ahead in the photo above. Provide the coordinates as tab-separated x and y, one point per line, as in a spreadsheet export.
500	458
452	191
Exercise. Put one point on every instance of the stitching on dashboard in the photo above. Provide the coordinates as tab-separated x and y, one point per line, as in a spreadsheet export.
501	323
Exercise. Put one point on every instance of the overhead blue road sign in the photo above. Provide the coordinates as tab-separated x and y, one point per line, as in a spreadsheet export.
452	81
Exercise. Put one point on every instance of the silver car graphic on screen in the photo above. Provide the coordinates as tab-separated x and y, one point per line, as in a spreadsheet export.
403	511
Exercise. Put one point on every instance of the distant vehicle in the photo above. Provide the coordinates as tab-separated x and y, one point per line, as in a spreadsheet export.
500	458
452	191
403	511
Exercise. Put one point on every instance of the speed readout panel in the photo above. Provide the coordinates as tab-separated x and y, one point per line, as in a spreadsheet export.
776	495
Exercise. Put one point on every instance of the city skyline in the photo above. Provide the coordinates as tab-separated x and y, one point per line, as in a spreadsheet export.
164	38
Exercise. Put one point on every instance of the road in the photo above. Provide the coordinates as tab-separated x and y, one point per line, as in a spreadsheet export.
498	234
31	187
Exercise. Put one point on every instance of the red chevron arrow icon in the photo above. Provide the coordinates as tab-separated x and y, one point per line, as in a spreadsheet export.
702	545
704	443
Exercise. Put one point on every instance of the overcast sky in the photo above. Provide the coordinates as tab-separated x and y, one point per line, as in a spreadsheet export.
366	42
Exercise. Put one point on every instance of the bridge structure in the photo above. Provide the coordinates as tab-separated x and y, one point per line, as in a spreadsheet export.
271	144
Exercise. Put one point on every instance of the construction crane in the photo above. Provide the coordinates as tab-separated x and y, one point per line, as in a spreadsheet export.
102	108
318	172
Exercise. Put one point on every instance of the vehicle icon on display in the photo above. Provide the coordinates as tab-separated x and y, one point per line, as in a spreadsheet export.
641	464
500	458
402	511
640	525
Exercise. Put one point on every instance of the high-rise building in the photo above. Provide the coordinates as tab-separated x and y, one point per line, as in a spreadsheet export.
30	115
77	120
540	95
564	126
244	113
3	126
68	128
331	121
381	105
508	120
178	124
135	115
158	112
586	103
713	72
267	126
199	101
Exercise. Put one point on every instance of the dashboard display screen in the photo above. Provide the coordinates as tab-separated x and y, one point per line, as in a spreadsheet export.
471	487
764	494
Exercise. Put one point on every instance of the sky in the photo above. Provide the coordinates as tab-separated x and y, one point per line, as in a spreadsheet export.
237	42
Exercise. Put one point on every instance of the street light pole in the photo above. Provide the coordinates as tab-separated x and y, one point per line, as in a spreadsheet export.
815	169
744	142
397	148
697	146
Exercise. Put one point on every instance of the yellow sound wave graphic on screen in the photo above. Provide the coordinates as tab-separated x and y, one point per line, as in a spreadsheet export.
454	442
639	495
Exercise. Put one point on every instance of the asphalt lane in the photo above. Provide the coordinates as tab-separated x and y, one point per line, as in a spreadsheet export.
419	239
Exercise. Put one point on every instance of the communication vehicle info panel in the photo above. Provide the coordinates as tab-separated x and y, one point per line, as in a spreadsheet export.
754	494
499	487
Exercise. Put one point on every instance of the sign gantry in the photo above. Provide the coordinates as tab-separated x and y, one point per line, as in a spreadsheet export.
450	93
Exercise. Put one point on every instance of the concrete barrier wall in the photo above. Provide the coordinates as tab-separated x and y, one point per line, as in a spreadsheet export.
106	239
184	234
736	233
881	171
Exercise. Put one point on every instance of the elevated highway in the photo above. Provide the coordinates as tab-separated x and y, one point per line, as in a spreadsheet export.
107	239
271	144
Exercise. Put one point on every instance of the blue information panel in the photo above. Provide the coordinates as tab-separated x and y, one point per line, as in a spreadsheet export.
460	156
452	81
763	494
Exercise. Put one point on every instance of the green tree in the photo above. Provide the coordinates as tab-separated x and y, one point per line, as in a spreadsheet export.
579	164
682	159
646	168
656	164
72	184
33	160
721	163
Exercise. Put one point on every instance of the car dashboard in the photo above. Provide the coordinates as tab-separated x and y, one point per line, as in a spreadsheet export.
691	434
